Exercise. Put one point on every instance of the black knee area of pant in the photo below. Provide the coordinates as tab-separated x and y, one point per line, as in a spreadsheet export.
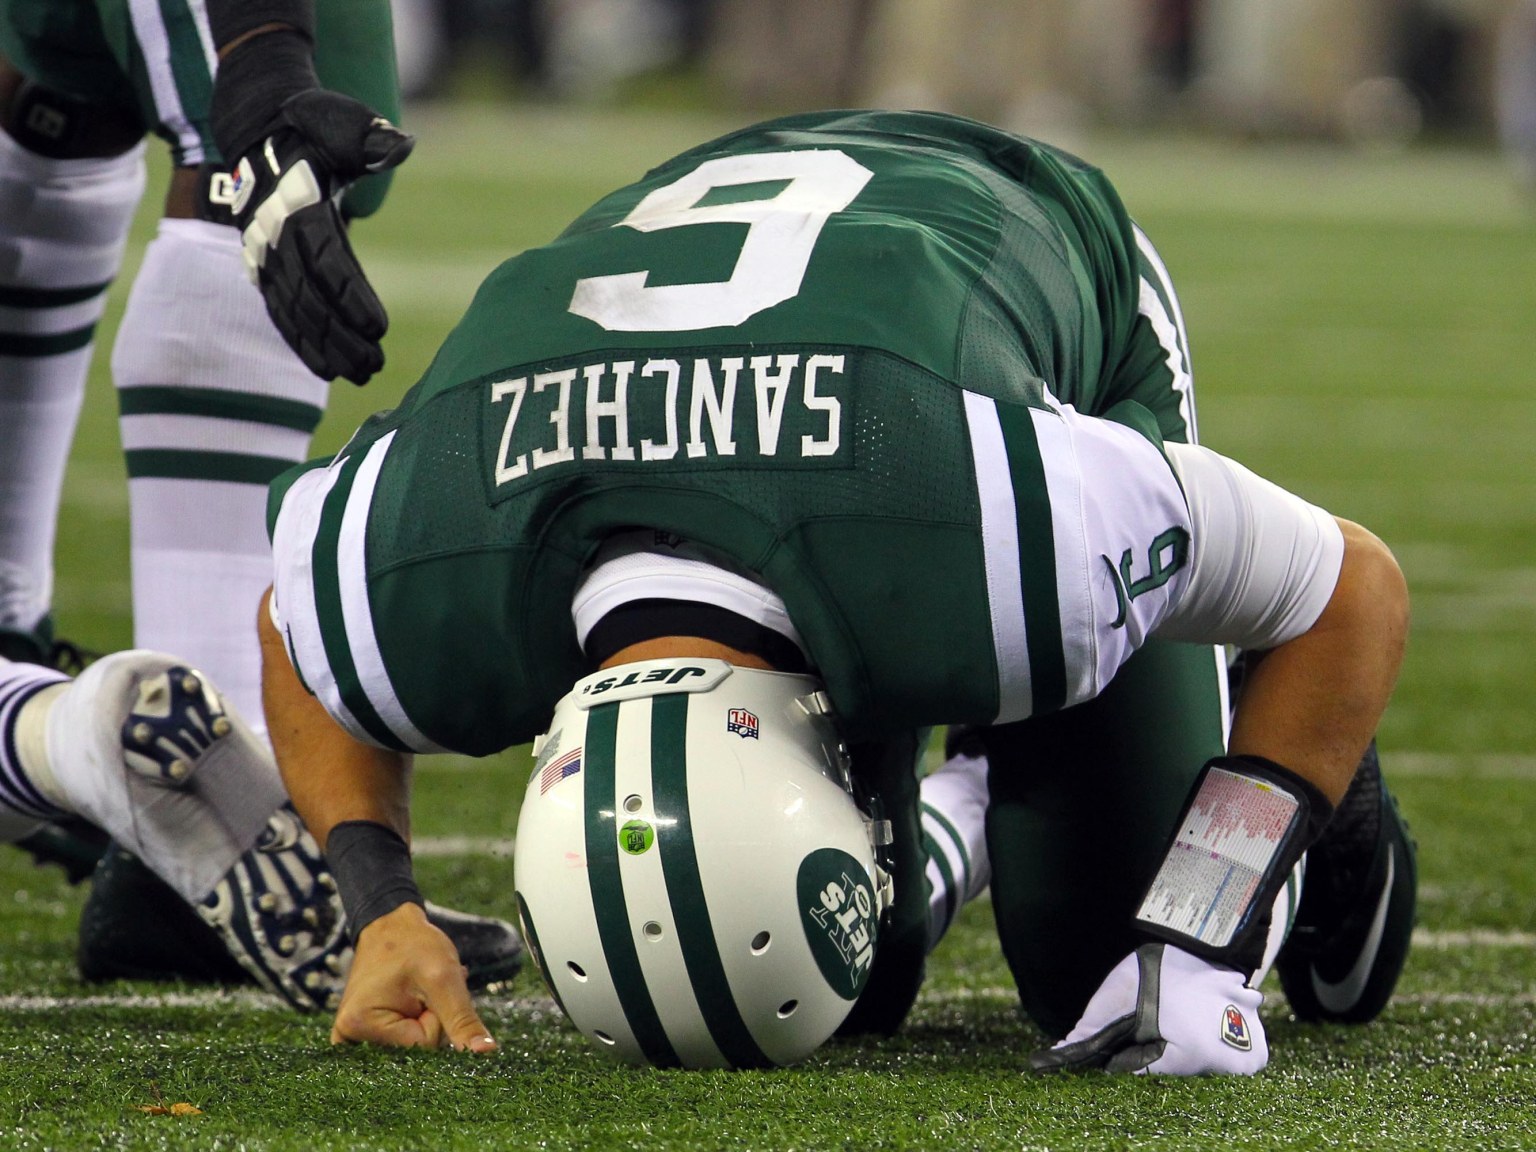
63	127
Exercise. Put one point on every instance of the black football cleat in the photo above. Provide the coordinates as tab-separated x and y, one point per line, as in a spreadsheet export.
135	927
72	844
1355	922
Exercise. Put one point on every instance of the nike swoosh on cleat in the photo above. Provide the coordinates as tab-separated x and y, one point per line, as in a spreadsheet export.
1342	996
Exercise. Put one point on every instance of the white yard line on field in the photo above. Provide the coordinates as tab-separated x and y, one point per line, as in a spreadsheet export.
437	846
1482	765
1450	941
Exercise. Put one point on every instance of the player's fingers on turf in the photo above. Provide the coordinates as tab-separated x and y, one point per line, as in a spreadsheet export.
388	1029
450	1002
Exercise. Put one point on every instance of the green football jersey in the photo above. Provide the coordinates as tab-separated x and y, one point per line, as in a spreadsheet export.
911	371
156	62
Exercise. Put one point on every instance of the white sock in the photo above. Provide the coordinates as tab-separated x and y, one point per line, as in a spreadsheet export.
29	794
214	404
63	227
954	815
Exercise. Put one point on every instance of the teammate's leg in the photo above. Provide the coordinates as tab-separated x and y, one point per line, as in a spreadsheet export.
214	404
954	820
71	175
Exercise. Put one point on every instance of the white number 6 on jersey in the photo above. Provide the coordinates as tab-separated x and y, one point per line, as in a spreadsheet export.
782	233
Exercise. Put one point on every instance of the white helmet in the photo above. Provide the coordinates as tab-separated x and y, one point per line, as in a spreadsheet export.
696	882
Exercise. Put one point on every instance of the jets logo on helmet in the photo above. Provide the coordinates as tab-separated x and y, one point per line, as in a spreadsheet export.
840	919
701	899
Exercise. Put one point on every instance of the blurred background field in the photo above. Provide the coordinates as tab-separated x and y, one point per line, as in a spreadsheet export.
1360	295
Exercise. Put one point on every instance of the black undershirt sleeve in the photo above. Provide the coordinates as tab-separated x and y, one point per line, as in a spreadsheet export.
641	620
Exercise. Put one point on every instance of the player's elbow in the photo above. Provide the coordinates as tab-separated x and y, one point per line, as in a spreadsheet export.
1373	593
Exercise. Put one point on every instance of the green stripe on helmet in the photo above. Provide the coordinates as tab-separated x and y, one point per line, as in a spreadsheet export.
607	886
685	888
1037	560
252	407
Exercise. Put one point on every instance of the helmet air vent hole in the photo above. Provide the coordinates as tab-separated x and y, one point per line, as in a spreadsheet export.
787	1009
576	969
653	930
633	803
604	1037
760	943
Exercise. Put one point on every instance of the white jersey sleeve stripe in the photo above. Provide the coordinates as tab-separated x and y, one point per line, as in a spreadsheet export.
1000	544
356	611
1054	433
294	610
1167	320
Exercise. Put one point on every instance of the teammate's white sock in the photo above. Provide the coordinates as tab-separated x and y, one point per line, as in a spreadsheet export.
954	814
63	228
29	794
214	405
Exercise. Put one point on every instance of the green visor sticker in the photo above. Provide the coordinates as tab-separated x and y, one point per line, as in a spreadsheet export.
636	837
837	910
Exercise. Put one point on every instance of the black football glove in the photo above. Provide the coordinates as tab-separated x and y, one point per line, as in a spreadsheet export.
296	248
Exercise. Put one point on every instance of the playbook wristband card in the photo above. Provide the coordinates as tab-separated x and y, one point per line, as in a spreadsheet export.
1246	824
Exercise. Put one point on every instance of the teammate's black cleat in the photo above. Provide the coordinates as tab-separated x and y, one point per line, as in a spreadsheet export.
73	844
134	927
1355	922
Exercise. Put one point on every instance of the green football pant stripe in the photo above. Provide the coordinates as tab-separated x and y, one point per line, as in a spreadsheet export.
685	889
608	904
178	464
52	344
1037	555
251	407
49	297
189	67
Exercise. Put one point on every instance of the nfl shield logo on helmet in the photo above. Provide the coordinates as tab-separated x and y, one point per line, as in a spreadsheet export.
742	723
1234	1029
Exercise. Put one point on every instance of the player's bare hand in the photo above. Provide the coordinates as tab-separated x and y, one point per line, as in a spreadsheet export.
407	989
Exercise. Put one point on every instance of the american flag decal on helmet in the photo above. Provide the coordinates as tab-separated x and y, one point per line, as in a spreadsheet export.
742	723
557	770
